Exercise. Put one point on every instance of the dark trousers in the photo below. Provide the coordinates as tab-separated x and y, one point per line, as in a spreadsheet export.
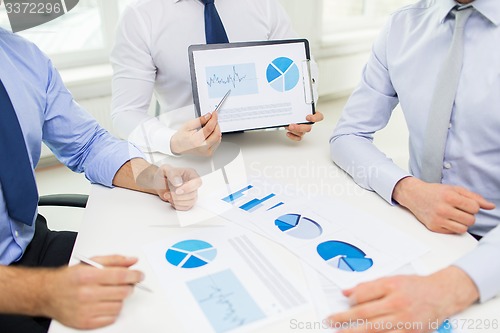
47	249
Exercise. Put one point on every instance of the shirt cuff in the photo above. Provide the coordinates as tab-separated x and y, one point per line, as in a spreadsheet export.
384	179
481	264
161	138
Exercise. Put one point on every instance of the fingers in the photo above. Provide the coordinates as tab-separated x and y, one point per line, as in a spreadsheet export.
117	276
366	292
363	312
200	136
184	184
463	218
209	127
197	123
318	116
183	180
452	227
294	136
97	322
103	314
114	293
185	197
482	202
459	214
208	138
213	140
188	187
297	131
184	204
115	260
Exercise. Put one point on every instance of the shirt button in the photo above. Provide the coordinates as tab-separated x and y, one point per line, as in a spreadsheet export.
447	165
16	233
449	125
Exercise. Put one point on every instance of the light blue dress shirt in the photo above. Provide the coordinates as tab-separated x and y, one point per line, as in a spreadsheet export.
47	111
402	68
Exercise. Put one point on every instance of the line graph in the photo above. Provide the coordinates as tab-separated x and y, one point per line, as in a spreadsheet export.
232	79
225	301
240	78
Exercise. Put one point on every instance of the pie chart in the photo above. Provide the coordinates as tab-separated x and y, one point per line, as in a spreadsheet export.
344	256
191	253
282	74
298	226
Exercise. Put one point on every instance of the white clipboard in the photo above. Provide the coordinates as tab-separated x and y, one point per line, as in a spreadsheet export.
270	83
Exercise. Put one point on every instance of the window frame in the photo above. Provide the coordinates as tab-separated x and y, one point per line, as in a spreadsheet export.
109	15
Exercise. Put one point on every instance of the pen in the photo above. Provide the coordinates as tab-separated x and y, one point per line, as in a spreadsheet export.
222	101
95	264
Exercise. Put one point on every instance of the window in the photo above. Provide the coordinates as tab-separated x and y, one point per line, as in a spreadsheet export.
83	36
78	30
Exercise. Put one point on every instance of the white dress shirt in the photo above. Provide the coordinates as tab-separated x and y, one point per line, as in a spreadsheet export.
151	55
402	68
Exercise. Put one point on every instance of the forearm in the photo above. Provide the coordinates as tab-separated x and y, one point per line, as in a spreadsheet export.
23	290
137	175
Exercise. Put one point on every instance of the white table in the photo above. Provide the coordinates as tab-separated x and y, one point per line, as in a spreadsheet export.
121	221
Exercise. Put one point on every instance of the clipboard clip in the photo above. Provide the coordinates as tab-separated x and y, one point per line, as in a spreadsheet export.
308	82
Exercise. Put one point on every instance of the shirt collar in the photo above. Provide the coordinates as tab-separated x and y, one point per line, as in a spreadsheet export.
490	9
444	7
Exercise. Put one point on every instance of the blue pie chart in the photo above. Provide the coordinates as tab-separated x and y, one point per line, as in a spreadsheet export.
282	74
191	253
298	226
344	256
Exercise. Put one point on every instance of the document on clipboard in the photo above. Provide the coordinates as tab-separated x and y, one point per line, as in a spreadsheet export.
266	84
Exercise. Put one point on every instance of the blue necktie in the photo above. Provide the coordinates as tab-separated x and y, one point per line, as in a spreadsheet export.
16	173
214	29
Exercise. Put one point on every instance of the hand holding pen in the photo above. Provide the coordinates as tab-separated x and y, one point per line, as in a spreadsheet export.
200	136
84	297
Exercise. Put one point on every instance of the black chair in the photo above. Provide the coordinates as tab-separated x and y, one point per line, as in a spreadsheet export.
66	200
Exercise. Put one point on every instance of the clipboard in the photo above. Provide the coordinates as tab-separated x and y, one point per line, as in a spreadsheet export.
270	83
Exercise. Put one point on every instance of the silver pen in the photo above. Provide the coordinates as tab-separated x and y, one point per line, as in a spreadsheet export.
222	101
95	264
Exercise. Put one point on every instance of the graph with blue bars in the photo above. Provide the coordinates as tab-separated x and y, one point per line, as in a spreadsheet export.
239	199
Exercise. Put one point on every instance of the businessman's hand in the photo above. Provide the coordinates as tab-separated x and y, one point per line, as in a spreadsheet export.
295	132
178	186
200	136
407	303
85	297
441	208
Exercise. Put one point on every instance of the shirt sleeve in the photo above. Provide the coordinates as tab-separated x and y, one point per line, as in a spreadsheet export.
368	110
481	264
76	138
134	74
